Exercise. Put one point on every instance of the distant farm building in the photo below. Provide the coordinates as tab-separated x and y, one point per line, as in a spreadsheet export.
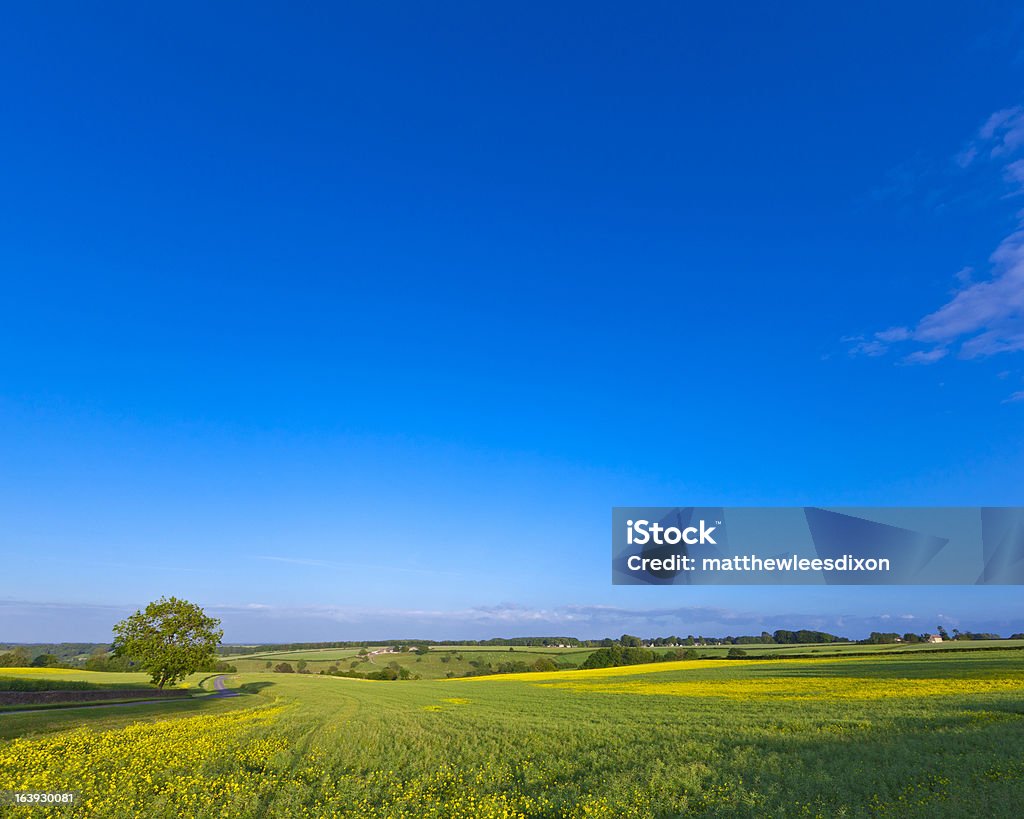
934	638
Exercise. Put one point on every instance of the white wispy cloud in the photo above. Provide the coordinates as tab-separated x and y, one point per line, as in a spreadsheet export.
261	622
1001	134
1013	174
964	276
503	614
984	316
579	620
925	356
988	315
859	345
893	334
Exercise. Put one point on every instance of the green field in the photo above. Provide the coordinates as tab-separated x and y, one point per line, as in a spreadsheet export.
317	658
33	680
438	663
63	679
925	734
441	662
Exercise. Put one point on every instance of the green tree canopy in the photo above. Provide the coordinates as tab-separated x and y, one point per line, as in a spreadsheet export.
170	639
16	658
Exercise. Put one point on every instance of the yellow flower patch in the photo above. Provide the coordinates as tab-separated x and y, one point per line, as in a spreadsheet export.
799	688
165	763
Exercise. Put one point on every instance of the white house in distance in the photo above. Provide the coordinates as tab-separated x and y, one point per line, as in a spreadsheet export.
934	638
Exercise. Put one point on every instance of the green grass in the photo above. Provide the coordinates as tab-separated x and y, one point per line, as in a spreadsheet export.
63	679
316	658
299	654
72	704
10	683
441	662
70	679
437	663
925	735
42	722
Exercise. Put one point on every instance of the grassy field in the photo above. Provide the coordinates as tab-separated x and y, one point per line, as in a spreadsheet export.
928	734
131	687
438	663
65	679
316	658
444	661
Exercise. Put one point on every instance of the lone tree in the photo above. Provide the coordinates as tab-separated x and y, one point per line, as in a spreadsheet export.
170	639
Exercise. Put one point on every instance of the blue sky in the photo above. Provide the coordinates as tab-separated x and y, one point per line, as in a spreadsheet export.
353	322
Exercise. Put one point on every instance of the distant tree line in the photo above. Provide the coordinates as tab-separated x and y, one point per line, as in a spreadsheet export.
21	657
393	671
784	637
886	637
778	637
68	654
102	659
482	667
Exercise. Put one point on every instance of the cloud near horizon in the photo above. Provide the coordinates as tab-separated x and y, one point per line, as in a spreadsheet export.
983	317
29	622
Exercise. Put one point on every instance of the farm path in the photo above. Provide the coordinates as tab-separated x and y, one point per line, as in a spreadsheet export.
219	690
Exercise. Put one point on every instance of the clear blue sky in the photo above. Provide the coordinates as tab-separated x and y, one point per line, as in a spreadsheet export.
354	321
